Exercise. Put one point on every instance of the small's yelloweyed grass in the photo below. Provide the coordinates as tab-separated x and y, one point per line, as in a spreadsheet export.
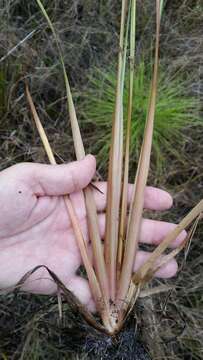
114	286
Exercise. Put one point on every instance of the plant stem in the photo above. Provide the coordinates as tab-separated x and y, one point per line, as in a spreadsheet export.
136	210
115	168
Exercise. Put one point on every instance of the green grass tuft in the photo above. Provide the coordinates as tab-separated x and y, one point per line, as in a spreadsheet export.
174	112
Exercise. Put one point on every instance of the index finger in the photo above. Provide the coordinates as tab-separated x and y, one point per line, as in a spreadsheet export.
154	198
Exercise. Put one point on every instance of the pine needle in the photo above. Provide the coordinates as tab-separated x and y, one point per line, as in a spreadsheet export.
80	154
146	270
94	285
114	287
115	168
136	210
124	201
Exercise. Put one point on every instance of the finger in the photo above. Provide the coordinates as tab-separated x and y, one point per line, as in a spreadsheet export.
42	283
80	288
55	180
101	224
154	231
154	198
157	199
165	272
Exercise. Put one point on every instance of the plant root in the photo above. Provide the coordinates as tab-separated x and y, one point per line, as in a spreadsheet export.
124	346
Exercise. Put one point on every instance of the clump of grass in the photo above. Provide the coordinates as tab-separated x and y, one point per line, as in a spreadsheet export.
114	286
175	111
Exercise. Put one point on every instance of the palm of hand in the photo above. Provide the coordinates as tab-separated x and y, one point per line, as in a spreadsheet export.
42	235
35	229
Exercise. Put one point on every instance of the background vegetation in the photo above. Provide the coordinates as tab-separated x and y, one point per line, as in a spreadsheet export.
176	113
89	38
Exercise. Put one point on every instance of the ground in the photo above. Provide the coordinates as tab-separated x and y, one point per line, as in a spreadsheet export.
89	36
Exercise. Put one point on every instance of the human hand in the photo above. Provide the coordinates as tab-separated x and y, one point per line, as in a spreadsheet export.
35	228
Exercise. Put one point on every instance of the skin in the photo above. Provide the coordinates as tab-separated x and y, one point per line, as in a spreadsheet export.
35	228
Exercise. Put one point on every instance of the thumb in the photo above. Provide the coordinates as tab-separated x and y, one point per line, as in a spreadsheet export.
63	179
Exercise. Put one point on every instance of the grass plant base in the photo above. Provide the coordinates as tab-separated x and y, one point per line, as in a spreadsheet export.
124	346
82	339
